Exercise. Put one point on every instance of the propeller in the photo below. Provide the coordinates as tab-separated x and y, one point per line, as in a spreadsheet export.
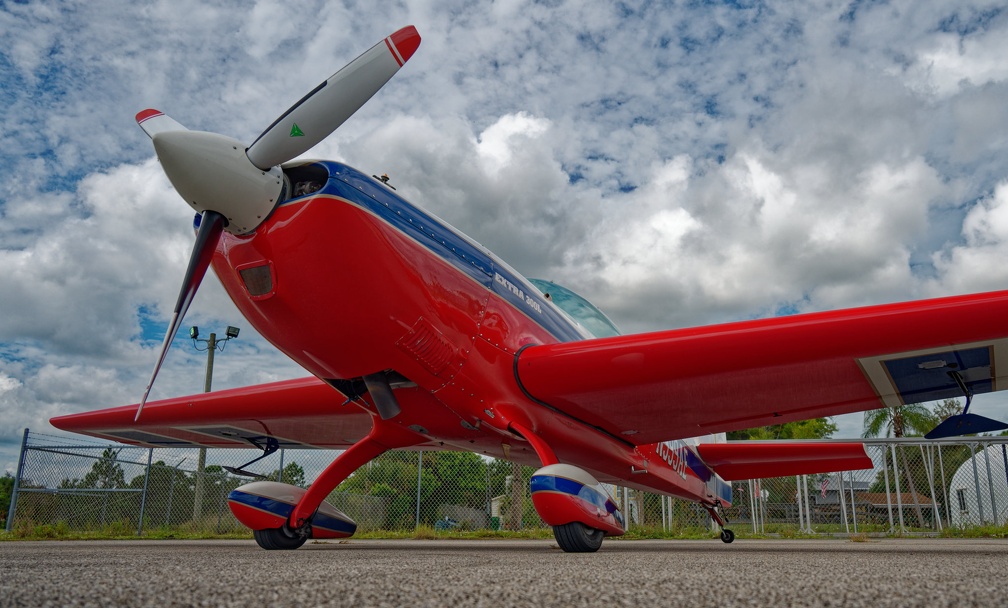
321	111
210	229
234	187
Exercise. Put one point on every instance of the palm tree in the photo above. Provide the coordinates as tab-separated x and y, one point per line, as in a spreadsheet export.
913	419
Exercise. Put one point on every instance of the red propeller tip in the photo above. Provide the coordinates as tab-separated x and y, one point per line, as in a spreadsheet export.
148	113
406	42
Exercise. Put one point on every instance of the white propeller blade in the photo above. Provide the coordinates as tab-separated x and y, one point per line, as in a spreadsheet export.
155	121
324	109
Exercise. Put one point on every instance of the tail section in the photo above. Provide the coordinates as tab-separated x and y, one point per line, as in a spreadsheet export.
759	459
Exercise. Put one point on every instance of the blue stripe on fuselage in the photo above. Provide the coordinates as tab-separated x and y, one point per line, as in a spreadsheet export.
449	244
695	464
724	491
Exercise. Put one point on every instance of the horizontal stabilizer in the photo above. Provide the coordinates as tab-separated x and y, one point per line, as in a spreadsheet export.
965	424
759	459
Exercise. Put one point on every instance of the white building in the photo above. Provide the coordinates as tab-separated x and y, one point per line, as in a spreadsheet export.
977	497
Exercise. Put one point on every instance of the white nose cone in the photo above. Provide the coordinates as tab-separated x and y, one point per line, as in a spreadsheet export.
212	172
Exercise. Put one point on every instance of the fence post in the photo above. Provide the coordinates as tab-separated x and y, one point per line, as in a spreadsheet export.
801	515
280	472
888	492
1004	457
419	472
752	505
990	486
17	482
143	497
664	517
899	497
843	502
488	493
221	506
945	493
976	484
929	469
853	501
808	508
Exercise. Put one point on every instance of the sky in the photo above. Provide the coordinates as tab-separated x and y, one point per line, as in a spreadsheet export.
677	163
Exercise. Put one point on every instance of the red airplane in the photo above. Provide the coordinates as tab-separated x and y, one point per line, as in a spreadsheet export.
418	337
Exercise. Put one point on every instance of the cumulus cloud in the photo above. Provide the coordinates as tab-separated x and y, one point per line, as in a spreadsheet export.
977	262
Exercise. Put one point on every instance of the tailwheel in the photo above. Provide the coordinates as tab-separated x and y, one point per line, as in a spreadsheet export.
282	538
716	511
576	537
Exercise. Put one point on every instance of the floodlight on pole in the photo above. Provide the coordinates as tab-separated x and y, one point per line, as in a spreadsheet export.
212	345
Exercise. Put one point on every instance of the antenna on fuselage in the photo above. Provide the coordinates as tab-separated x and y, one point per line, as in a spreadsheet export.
384	179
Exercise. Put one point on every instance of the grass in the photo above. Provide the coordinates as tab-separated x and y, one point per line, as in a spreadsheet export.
988	531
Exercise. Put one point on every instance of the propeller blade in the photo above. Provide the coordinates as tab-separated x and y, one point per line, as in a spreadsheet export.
325	108
211	226
155	121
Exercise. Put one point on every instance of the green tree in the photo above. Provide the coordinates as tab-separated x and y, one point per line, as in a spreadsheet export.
6	490
169	495
456	478
105	473
293	474
392	477
947	408
814	428
910	420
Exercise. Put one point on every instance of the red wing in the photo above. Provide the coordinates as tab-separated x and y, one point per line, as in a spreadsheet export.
298	413
684	383
760	459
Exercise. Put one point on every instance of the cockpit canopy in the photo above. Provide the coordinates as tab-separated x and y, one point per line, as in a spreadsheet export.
581	310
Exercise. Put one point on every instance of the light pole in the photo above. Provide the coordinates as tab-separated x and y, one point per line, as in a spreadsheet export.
212	344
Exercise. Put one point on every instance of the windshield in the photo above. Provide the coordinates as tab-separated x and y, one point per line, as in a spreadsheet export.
578	308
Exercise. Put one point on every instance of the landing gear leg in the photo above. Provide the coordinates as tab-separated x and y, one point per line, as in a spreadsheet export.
727	536
383	436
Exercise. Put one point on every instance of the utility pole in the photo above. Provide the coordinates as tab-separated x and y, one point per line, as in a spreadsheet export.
211	347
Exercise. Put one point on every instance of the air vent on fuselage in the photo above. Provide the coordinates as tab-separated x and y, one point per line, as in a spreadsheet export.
428	346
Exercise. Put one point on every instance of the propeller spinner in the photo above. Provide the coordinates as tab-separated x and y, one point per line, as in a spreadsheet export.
235	188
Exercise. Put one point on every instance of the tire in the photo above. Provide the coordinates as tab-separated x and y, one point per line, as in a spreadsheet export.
727	536
576	537
282	539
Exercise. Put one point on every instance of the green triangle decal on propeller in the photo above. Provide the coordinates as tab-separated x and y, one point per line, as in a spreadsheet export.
296	131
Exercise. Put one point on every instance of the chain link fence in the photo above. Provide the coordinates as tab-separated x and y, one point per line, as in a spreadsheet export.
915	487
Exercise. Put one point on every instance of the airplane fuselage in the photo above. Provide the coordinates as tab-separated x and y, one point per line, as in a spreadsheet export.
351	280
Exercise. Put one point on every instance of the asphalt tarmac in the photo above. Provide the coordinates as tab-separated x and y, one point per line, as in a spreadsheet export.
889	572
